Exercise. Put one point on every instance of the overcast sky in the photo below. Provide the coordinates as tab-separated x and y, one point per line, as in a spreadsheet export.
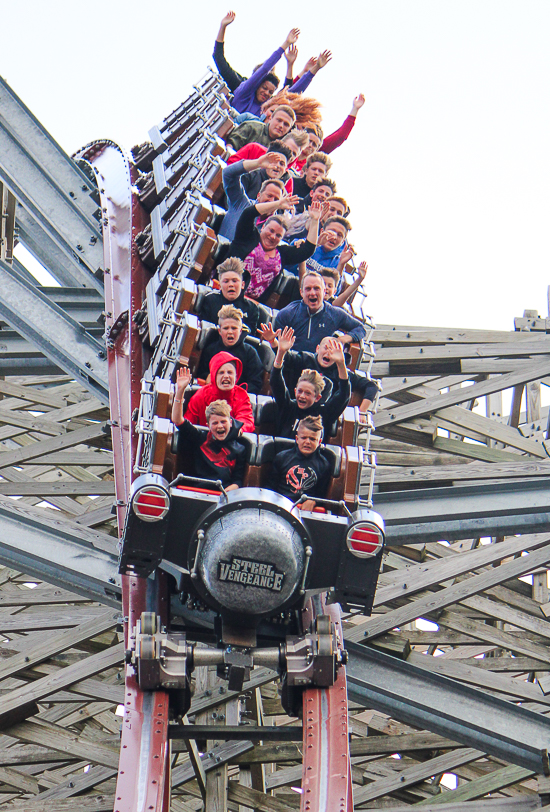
447	170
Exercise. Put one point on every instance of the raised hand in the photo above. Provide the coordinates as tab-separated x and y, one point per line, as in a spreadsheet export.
270	160
267	333
291	55
228	19
322	60
315	211
346	255
311	63
183	379
292	37
336	350
286	339
288	202
362	270
358	102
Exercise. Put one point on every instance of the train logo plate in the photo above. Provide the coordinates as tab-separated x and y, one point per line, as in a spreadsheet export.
248	572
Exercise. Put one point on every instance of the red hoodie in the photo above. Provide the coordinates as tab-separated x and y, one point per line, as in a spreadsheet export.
241	408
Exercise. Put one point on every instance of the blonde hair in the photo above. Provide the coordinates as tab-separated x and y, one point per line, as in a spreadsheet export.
220	407
229	311
231	265
314	378
320	158
300	137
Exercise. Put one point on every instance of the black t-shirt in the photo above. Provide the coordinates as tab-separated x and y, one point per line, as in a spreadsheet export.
289	414
213	303
293	474
296	362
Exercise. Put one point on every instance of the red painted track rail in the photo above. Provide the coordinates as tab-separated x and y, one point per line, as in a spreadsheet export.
144	769
326	770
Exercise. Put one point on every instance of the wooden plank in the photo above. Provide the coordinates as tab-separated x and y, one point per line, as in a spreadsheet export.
474	675
415	774
96	803
406	743
78	783
96	487
452	594
70	744
505	640
495	781
17	703
258	801
410	355
62	642
508	435
37	449
530	372
32	394
405	336
92	457
417	577
515	617
471	471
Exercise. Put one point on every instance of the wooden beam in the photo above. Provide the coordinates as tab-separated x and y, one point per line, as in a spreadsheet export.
530	372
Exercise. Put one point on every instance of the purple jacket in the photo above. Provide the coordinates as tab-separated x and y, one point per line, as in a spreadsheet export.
244	98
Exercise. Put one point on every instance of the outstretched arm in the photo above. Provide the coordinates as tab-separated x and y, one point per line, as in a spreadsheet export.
182	382
337	138
246	91
291	55
227	20
284	203
278	385
228	74
349	291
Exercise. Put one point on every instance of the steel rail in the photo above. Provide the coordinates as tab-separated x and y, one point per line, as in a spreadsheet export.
326	766
143	779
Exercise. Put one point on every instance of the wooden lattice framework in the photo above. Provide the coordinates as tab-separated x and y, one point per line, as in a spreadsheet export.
64	653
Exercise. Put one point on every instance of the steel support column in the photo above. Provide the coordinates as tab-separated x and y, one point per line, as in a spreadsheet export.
60	552
439	704
465	511
45	325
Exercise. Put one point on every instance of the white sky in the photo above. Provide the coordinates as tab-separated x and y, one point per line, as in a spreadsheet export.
447	170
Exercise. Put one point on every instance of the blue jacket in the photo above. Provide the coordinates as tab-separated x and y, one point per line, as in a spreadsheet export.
244	97
311	329
320	259
237	199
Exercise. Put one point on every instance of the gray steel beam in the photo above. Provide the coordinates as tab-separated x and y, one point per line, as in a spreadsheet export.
50	186
54	160
57	257
68	555
439	704
46	326
465	511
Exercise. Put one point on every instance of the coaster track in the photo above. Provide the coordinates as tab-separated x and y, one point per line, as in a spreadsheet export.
178	240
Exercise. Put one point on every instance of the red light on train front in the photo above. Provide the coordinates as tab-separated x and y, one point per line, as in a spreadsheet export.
151	504
364	540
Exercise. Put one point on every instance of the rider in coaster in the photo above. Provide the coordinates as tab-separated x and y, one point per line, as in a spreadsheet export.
302	469
225	371
230	337
309	389
220	456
